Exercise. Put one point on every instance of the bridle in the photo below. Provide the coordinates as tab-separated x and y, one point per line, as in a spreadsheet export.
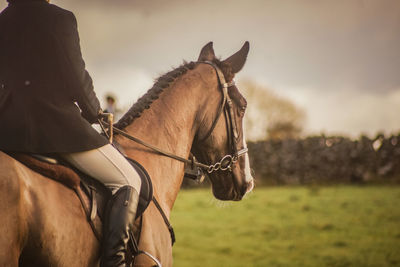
231	126
227	161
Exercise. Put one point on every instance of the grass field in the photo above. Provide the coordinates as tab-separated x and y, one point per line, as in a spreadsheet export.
290	226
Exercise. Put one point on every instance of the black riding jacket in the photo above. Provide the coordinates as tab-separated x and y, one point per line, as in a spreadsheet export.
42	79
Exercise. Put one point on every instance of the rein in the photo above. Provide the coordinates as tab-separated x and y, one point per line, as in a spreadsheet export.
158	150
221	165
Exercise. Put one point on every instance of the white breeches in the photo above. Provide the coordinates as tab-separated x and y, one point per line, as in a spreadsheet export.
106	165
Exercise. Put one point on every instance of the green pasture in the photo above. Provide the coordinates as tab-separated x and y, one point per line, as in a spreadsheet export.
289	226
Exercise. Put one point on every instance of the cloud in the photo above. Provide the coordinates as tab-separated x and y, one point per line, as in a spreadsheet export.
325	44
321	45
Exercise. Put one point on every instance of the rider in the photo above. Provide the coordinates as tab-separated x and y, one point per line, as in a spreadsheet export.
47	105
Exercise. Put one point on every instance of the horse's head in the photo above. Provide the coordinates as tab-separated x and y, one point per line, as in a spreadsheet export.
220	140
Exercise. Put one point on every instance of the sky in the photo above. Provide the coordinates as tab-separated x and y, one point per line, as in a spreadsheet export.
339	60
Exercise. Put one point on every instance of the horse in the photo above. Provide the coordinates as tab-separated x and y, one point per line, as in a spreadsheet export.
42	222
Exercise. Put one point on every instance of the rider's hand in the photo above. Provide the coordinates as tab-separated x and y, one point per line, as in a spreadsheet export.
100	114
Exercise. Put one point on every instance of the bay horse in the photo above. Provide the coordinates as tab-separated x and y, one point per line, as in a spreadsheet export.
42	222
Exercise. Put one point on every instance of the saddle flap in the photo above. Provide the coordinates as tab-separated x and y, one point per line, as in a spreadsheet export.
146	190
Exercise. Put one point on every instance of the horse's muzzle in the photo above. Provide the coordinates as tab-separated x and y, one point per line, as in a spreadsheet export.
250	186
245	189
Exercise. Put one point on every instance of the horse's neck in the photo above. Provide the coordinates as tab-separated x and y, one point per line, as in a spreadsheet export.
170	124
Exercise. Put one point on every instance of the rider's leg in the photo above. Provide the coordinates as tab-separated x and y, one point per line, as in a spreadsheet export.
108	166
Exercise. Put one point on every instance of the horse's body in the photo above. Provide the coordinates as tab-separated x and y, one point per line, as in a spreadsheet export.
42	222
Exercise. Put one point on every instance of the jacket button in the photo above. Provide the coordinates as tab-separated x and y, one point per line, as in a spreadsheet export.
2	86
27	83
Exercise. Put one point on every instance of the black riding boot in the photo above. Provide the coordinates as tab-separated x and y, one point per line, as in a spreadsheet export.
121	213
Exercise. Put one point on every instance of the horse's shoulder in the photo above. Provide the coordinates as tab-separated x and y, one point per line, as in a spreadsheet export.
14	172
7	164
4	158
11	181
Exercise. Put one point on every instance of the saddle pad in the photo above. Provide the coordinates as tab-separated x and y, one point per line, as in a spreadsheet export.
56	172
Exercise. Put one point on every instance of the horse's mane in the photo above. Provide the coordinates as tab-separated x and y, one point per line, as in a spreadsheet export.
160	85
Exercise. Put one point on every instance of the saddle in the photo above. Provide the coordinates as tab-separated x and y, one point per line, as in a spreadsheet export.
92	194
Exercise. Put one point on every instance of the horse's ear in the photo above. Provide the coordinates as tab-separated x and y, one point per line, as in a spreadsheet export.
237	60
207	53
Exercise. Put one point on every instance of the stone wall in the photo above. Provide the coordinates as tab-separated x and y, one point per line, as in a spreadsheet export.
321	159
